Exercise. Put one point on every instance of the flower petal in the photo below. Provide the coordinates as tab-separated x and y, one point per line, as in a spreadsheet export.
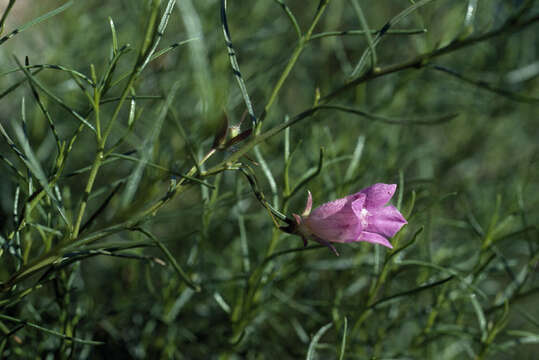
386	221
375	239
341	225
334	229
328	209
378	195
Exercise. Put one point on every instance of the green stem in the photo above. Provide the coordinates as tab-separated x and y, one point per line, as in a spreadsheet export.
87	190
372	31
101	141
50	332
422	59
303	40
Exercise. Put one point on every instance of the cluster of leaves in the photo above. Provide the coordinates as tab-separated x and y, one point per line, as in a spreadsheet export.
136	218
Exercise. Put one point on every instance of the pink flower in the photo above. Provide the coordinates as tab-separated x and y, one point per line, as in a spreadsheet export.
362	216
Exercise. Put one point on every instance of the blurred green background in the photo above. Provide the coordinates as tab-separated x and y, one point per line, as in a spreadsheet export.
468	186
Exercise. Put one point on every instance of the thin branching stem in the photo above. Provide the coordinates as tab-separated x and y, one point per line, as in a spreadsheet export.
293	59
423	59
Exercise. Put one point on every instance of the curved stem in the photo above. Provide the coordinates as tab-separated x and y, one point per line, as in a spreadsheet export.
293	59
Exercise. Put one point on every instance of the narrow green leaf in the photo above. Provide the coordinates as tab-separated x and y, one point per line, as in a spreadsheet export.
114	36
183	275
362	32
146	150
362	61
480	317
36	21
356	156
365	26
50	332
269	176
36	82
171	47
343	342
430	120
315	340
